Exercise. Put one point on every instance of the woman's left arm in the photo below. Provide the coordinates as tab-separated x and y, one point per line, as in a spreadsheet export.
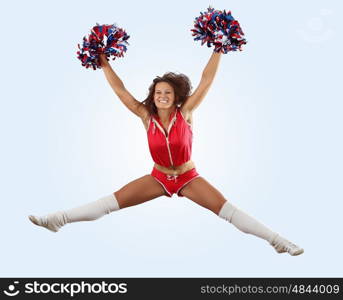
207	77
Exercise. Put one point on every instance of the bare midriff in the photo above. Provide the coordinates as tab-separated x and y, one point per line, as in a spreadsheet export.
176	170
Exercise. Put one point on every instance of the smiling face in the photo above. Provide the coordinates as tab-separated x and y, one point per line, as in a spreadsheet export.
164	96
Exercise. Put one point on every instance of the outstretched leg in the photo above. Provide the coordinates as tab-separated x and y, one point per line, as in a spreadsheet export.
136	192
204	194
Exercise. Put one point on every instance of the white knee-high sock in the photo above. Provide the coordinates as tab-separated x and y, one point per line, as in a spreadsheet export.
88	212
93	210
245	223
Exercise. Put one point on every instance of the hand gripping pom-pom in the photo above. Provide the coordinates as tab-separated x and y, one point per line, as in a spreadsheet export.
220	29
107	39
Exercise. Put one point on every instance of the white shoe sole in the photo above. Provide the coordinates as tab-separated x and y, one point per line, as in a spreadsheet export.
300	251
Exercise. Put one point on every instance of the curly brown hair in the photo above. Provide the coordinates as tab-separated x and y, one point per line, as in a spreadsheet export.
181	85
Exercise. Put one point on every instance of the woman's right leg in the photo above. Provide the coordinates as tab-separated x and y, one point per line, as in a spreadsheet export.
139	191
136	192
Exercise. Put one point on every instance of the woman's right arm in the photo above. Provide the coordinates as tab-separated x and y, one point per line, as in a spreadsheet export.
123	94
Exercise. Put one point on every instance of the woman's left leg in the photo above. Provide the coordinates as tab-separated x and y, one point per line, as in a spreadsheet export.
203	193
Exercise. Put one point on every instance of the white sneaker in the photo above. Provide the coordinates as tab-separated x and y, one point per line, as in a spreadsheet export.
282	245
53	222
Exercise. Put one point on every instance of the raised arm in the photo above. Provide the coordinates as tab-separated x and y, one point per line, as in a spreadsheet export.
118	87
206	80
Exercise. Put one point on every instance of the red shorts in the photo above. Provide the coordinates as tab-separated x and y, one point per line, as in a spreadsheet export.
174	183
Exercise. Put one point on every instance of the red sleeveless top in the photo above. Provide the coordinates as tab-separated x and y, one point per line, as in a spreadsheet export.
173	148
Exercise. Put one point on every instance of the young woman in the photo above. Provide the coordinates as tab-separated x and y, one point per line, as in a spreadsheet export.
167	115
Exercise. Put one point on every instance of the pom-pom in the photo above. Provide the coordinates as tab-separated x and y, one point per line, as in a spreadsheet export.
220	29
107	39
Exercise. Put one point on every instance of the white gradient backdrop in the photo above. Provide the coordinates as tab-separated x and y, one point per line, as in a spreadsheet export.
268	136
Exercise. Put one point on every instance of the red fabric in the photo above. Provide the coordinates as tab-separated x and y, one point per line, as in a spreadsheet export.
180	140
173	184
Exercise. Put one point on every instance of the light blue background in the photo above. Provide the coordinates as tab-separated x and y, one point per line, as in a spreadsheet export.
268	136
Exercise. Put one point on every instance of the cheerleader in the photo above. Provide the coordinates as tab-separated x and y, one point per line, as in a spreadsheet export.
167	115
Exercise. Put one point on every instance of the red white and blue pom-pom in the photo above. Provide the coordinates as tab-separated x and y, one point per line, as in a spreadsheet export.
220	29
108	39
